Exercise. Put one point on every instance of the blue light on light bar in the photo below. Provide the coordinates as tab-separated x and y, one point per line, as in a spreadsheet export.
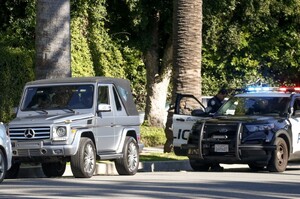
258	89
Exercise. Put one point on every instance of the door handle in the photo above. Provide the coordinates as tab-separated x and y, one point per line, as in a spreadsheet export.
180	119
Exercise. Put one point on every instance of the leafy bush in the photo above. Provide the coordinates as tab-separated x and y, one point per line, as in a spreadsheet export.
152	136
16	69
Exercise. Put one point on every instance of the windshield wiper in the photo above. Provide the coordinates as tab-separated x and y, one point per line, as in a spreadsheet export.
65	108
41	110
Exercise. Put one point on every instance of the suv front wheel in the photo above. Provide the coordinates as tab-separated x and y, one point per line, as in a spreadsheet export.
54	169
129	164
83	163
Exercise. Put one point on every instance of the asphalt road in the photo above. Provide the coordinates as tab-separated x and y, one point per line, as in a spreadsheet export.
233	182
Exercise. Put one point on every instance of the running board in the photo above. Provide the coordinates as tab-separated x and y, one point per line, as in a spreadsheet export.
110	156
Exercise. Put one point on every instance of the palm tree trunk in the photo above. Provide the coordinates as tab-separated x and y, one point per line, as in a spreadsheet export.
187	41
53	57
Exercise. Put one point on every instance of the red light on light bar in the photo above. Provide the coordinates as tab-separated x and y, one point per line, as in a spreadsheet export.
297	88
289	89
283	89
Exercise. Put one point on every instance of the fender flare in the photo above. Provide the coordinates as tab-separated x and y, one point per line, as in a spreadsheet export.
79	134
286	136
125	132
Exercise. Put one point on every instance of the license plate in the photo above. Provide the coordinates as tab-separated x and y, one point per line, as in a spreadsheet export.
27	145
221	148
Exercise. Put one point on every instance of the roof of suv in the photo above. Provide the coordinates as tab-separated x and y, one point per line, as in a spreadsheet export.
121	85
117	81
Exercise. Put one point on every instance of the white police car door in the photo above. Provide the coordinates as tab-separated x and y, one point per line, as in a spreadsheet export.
295	122
188	110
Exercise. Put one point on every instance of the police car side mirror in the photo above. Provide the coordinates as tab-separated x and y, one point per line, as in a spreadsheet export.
290	110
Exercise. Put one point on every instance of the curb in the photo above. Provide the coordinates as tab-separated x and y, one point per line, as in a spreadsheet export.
108	168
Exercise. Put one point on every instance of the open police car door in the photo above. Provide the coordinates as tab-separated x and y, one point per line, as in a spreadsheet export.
188	109
295	125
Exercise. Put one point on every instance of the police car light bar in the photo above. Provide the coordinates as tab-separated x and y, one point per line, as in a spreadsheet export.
256	89
259	89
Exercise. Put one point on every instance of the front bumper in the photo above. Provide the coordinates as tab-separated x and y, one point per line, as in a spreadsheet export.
33	149
244	153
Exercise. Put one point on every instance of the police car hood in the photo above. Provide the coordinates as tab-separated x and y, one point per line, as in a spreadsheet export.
49	119
246	119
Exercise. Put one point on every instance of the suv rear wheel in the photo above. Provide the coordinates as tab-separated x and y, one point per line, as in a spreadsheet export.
129	164
83	163
54	169
279	160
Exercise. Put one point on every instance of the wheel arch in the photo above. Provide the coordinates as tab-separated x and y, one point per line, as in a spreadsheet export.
89	134
131	132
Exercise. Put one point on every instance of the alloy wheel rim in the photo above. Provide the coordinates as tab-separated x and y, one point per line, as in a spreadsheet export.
89	159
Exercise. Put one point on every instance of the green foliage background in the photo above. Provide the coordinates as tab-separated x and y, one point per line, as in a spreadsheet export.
242	41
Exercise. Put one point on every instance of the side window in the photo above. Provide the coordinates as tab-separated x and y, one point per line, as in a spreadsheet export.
103	97
190	106
117	101
297	106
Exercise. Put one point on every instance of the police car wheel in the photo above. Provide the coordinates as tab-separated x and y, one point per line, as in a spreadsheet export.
279	159
256	167
199	166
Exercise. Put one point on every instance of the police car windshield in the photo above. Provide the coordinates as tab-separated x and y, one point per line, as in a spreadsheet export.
240	106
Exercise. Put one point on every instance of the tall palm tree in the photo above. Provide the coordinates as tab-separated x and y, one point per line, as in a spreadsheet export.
187	41
53	53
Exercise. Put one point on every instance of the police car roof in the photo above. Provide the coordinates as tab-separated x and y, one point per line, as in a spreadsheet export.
264	94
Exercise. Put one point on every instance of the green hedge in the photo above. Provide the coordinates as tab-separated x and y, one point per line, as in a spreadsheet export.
16	69
152	136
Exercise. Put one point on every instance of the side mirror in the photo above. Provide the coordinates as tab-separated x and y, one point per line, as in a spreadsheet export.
291	110
104	107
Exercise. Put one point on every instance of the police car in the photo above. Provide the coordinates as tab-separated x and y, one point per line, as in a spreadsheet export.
260	127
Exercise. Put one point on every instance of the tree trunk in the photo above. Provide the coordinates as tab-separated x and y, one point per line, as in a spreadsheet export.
158	78
187	35
53	57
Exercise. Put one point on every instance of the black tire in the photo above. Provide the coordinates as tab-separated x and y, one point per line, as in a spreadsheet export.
129	164
199	166
256	167
83	163
3	166
54	169
13	172
279	159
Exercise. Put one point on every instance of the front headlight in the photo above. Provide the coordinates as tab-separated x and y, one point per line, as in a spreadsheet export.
259	127
60	133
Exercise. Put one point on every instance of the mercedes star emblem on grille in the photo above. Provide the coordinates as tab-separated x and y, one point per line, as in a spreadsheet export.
29	133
